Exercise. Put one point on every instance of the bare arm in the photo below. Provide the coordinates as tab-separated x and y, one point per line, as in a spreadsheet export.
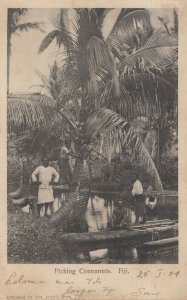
34	179
73	155
56	179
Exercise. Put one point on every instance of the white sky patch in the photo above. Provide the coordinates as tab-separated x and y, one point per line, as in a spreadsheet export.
107	24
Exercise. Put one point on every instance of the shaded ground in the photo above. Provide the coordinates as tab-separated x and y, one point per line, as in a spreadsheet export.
31	240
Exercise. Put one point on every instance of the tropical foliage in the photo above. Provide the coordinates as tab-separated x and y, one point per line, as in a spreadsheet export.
107	94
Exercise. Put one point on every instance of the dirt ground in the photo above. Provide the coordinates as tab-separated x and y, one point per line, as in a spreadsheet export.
32	240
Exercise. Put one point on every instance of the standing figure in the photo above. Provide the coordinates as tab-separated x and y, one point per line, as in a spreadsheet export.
139	200
151	203
119	214
45	176
64	165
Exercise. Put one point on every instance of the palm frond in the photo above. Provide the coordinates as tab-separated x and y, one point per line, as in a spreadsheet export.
160	50
43	78
47	84
98	55
36	142
147	162
49	38
136	80
27	26
55	87
31	111
146	93
99	153
150	142
105	122
20	11
28	111
132	28
14	15
111	143
70	81
101	14
62	36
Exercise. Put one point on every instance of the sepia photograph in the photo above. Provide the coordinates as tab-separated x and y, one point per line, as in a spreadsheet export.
92	136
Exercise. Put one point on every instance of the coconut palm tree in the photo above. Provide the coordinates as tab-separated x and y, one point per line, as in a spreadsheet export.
137	49
149	72
14	27
109	83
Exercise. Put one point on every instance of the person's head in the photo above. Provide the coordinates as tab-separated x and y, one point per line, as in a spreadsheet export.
67	143
119	204
45	161
150	188
149	191
136	176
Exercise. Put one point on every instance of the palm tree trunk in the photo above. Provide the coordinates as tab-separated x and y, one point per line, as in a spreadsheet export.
78	172
71	216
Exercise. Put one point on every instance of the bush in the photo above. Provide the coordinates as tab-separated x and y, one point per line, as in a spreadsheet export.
169	173
119	176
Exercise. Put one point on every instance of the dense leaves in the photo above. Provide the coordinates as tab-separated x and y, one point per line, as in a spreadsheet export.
103	88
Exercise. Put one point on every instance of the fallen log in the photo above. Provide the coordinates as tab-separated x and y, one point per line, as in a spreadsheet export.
22	191
118	238
154	245
165	250
158	221
61	188
18	193
153	224
20	202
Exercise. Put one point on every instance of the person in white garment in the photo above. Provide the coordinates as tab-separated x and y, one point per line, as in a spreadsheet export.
45	176
139	200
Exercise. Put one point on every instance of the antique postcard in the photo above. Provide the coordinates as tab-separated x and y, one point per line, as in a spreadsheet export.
93	136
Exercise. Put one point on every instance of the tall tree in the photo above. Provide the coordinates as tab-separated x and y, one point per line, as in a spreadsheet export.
109	84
